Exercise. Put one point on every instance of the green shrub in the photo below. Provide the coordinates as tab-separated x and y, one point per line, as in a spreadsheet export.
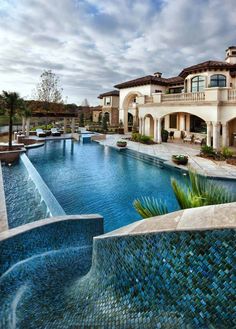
145	139
136	137
226	152
207	150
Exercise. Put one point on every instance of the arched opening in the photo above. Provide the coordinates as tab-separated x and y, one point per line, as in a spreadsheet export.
184	123
129	107
197	125
130	121
148	126
232	132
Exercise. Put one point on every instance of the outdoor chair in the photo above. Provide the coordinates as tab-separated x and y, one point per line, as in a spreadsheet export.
55	132
199	141
188	139
40	133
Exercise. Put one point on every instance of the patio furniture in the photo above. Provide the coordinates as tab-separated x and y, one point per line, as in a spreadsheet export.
40	132
171	134
188	139
199	141
55	132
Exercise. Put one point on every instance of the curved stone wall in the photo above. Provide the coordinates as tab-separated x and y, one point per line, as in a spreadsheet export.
172	271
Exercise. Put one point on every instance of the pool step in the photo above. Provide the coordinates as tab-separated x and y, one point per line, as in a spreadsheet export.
149	159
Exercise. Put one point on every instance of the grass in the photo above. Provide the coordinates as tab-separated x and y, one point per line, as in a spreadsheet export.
4	120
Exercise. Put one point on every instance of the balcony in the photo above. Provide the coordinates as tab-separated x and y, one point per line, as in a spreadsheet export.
208	95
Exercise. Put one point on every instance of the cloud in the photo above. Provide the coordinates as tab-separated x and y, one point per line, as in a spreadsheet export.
92	45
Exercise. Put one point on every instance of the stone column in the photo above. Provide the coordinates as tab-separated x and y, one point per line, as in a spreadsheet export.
181	121
23	125
188	122
140	125
143	129
27	126
125	121
65	124
155	129
216	135
159	130
225	134
209	131
167	122
72	125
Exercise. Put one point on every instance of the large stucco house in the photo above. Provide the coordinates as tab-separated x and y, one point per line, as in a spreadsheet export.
201	99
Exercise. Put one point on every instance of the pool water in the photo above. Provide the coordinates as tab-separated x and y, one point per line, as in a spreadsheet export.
90	178
23	201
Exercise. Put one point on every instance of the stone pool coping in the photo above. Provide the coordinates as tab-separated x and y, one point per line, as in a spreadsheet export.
3	209
164	152
195	219
46	221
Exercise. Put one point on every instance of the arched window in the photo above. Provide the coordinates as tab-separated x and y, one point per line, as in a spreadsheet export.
218	80
198	83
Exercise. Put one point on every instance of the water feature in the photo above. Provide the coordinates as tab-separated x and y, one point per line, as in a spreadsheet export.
24	202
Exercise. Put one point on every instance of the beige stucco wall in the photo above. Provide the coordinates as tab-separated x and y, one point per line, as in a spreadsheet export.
96	116
205	112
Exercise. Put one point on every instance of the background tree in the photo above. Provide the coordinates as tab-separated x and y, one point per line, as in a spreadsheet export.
48	90
104	123
81	119
11	103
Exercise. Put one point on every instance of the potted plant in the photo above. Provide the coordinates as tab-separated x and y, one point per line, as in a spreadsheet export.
164	135
180	159
121	143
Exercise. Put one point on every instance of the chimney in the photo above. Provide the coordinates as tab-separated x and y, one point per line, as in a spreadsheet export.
158	74
231	55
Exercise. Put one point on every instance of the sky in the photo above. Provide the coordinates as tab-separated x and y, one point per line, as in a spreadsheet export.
91	45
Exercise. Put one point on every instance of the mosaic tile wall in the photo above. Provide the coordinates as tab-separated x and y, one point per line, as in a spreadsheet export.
165	280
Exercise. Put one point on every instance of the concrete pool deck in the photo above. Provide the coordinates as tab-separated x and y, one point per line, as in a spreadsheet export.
164	151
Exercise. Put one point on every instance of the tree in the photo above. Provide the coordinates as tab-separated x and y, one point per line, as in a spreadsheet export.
81	119
104	123
198	192
48	89
12	103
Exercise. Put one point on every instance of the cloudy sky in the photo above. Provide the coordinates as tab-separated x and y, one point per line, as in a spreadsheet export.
94	44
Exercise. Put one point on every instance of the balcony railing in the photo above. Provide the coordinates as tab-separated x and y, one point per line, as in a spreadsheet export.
232	94
148	99
191	97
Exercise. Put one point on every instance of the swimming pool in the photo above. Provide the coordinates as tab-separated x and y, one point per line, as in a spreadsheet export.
90	178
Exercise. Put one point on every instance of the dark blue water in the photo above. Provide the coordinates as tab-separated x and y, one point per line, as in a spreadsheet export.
23	201
90	178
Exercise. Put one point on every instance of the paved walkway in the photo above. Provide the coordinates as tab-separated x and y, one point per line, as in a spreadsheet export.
166	150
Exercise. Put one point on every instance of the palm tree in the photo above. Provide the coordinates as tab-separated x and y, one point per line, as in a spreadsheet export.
11	102
197	192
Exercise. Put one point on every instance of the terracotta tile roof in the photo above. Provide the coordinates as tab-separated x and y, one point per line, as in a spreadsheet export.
175	80
208	65
110	93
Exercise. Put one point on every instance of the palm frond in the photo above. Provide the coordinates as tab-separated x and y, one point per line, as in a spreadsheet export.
150	207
